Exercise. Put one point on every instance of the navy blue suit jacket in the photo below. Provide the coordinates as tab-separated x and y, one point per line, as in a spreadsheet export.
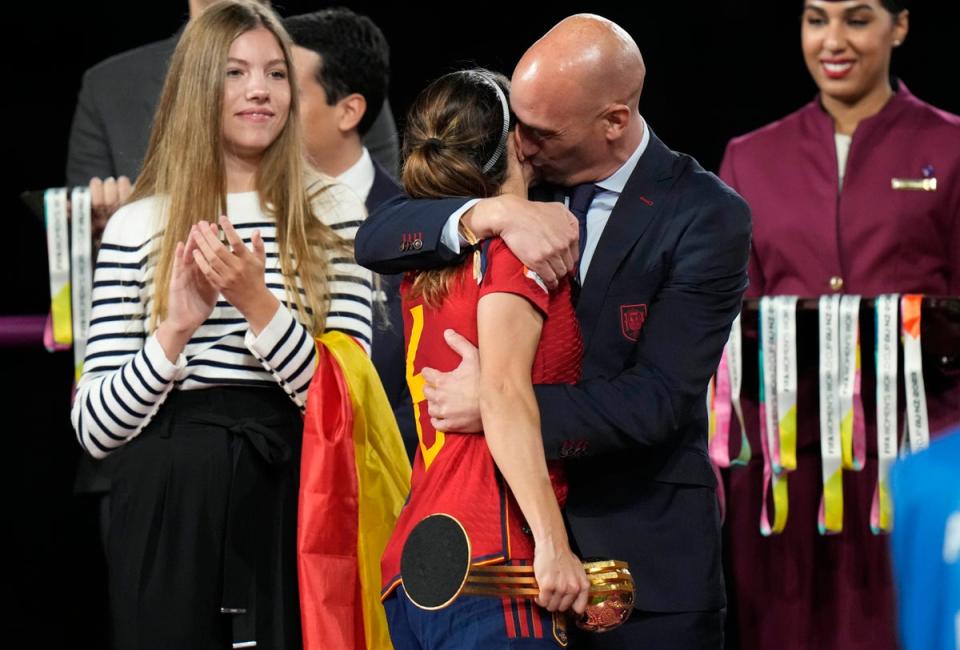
387	350
655	310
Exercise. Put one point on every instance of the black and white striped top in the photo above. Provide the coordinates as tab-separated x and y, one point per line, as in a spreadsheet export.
126	375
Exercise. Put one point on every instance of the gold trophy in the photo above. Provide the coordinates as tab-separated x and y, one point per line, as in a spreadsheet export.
435	568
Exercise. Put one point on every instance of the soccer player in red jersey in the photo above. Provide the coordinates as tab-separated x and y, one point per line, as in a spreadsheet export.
458	142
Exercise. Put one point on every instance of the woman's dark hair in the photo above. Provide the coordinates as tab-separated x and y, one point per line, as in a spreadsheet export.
894	6
453	129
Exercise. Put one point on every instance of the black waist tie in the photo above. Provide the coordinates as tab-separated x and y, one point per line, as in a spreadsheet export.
254	446
203	547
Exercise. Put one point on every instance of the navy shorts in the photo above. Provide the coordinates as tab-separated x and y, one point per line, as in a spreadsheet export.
479	622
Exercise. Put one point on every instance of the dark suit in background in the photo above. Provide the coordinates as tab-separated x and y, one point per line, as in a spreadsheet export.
111	124
655	310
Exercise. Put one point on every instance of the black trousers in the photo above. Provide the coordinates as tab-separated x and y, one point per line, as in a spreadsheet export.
201	549
659	631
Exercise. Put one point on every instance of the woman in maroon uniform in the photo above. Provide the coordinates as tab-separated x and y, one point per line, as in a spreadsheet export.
458	142
828	217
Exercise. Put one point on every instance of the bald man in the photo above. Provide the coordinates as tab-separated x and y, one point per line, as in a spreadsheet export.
659	248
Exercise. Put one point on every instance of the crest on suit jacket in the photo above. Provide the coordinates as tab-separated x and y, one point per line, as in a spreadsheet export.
631	320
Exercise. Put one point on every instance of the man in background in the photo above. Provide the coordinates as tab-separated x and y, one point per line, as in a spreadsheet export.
342	62
114	114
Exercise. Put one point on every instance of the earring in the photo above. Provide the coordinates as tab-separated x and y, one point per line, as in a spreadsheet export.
896	43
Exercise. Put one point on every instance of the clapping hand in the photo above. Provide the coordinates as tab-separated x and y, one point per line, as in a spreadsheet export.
190	300
236	271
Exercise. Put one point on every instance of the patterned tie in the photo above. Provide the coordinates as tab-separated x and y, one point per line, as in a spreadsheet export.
580	198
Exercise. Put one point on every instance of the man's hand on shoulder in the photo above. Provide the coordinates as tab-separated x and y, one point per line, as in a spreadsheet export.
544	236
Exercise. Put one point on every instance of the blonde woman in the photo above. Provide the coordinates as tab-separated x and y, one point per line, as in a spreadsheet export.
209	288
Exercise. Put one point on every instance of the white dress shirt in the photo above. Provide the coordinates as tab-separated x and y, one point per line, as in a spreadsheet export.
359	177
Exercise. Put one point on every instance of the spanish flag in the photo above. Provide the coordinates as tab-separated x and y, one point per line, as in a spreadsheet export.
354	479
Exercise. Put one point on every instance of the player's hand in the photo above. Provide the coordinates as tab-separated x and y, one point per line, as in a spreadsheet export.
560	575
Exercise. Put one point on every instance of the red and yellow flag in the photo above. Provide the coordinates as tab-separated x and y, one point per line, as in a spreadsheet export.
354	479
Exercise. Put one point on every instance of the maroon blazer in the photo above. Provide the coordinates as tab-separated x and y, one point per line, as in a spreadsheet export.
801	590
877	239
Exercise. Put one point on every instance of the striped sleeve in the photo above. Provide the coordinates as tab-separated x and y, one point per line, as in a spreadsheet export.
285	348
351	300
126	375
287	351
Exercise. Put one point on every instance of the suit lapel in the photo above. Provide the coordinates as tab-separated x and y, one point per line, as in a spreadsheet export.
639	204
383	188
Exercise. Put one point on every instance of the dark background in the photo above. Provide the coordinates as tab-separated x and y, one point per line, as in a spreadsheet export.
715	70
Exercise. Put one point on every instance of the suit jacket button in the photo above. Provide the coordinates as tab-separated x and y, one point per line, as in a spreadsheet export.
836	284
417	244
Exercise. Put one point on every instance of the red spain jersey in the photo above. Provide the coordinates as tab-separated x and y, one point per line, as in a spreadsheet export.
454	473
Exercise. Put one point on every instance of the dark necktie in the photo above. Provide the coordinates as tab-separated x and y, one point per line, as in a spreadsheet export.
580	198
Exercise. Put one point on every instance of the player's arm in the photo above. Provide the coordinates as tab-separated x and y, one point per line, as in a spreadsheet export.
509	330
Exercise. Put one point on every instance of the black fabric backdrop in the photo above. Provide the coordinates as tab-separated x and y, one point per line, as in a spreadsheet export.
715	70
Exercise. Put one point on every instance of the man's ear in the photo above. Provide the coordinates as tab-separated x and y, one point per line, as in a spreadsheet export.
616	118
351	110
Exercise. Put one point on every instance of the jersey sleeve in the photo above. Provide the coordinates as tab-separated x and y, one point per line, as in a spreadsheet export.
505	273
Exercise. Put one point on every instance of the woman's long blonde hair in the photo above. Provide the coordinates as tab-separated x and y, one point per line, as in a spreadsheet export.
184	165
453	129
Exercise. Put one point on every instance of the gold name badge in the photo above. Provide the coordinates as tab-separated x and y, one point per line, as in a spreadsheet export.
918	184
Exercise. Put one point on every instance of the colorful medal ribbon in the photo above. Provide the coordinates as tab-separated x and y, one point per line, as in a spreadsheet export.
853	433
830	517
713	446
786	383
58	258
881	510
82	272
724	401
735	344
769	422
917	423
